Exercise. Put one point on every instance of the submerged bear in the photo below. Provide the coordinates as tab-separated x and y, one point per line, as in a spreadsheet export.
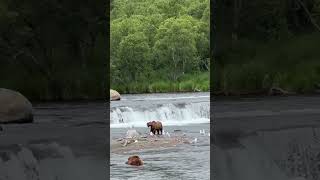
134	161
156	126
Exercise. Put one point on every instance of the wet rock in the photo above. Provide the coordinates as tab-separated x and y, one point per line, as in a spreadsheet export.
277	91
134	161
15	108
114	95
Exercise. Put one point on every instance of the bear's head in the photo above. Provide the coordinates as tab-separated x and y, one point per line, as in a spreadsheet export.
135	161
151	123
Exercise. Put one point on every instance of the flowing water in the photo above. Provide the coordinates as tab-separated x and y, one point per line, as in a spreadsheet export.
188	112
290	154
267	139
67	141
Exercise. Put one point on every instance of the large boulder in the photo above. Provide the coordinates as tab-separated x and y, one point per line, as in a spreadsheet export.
114	95
14	107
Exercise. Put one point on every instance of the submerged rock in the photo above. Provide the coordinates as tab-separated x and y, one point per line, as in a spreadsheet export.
14	107
144	142
114	95
134	161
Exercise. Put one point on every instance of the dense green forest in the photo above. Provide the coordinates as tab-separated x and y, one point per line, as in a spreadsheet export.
262	44
54	49
160	45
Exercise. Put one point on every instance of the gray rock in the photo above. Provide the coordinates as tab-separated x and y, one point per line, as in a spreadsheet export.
15	108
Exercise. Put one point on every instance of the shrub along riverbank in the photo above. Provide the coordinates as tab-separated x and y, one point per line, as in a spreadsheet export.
186	83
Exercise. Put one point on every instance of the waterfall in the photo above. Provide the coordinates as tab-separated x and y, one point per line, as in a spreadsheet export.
168	114
290	154
48	162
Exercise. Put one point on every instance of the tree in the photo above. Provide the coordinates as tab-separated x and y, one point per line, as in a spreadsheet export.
175	47
134	57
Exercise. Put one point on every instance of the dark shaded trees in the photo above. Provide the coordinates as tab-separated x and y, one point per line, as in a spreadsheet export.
58	46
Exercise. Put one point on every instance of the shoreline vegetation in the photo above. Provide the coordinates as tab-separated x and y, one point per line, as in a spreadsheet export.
188	83
253	68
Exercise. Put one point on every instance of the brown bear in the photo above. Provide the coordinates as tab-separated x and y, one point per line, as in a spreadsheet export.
156	126
134	161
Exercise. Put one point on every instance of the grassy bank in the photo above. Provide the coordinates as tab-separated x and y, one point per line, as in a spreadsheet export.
186	83
292	64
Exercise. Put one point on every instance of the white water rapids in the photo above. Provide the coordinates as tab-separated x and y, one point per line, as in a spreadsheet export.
291	154
169	114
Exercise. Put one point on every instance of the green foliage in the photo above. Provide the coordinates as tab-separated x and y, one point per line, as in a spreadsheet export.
186	83
262	44
51	50
292	64
156	42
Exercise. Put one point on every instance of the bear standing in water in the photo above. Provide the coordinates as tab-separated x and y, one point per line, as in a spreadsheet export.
156	126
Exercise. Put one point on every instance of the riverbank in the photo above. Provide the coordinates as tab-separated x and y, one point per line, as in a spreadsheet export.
263	93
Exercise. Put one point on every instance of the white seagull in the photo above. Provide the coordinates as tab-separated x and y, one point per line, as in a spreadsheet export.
167	133
203	132
194	141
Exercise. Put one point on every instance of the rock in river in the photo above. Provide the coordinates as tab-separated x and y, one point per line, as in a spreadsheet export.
114	95
14	107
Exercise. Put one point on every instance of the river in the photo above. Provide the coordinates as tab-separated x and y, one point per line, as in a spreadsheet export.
267	138
66	141
188	112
